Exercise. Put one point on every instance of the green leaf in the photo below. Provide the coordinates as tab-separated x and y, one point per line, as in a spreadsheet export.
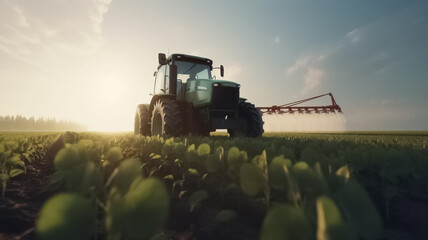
85	178
301	166
12	145
252	179
66	216
147	207
310	155
168	177
226	215
220	151
27	157
155	156
234	158
4	177
15	172
213	164
196	198
359	210
284	222
180	149
191	147
129	169
27	146
66	159
114	155
192	156
330	224
116	212
192	171
167	150
343	172
15	160
261	162
204	149
277	175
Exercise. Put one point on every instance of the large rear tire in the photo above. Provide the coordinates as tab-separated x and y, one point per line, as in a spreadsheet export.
252	118
141	123
167	118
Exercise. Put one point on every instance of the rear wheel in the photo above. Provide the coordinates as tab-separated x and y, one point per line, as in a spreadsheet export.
253	123
141	123
167	118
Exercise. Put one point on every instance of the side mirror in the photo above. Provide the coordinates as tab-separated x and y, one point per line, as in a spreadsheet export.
162	59
221	71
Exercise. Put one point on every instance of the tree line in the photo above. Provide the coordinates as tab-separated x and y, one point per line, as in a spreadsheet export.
20	123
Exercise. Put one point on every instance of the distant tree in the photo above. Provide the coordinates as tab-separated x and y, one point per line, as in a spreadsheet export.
20	123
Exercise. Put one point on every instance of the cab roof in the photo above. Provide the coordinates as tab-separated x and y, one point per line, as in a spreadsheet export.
189	58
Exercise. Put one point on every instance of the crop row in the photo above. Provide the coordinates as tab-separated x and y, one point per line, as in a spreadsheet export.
17	150
129	187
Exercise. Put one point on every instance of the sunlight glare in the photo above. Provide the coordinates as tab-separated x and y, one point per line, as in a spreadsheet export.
111	110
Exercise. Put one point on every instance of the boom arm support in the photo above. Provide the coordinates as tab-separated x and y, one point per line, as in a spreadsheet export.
292	108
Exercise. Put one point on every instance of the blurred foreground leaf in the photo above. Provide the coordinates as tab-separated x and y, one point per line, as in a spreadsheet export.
284	222
252	179
330	224
147	209
359	210
66	216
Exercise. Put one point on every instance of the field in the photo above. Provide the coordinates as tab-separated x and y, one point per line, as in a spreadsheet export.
351	185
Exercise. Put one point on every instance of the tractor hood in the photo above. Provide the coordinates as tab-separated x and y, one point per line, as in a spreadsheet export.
199	91
205	84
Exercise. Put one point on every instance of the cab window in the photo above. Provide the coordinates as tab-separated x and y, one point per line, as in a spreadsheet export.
166	84
160	80
204	74
189	71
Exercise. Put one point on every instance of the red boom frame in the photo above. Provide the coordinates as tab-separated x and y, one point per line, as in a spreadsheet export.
291	108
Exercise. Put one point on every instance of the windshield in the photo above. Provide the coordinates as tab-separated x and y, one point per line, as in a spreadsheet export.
189	71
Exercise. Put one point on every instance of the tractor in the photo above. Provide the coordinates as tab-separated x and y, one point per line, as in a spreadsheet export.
187	99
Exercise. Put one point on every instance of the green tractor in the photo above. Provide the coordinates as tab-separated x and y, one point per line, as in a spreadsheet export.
188	100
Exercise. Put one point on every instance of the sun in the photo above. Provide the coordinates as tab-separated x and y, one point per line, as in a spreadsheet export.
108	89
109	105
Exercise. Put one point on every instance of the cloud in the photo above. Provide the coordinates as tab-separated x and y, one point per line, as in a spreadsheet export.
45	35
277	40
299	64
379	55
308	70
353	35
312	79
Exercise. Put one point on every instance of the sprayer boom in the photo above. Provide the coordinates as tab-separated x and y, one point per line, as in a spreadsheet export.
291	108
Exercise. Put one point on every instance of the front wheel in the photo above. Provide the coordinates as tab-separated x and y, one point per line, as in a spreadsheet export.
253	123
167	118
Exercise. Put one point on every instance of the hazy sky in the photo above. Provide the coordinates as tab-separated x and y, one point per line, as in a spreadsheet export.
92	61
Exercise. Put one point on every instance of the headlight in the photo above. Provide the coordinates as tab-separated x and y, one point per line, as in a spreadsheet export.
216	84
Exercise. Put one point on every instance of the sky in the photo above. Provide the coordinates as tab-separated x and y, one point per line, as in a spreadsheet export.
92	61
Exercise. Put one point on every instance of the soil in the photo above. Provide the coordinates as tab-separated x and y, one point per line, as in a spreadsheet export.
25	195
